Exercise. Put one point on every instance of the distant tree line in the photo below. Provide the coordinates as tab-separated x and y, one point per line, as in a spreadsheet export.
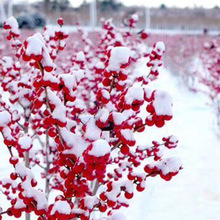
110	4
64	4
56	4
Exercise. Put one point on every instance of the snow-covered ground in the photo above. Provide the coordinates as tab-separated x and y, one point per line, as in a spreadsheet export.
194	194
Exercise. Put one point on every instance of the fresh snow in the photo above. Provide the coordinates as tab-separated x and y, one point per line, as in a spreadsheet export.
80	56
100	148
92	130
91	201
127	134
59	111
13	23
119	56
134	93
25	142
117	216
162	103
160	47
35	45
61	207
194	193
168	165
7	62
75	142
135	17
5	118
118	118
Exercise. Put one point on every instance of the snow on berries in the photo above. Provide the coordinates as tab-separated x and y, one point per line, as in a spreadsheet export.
35	49
166	168
25	143
133	20
100	148
61	209
134	98
162	103
72	116
118	56
58	114
12	26
5	118
156	58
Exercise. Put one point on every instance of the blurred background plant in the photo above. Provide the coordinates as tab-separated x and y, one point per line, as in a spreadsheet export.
35	13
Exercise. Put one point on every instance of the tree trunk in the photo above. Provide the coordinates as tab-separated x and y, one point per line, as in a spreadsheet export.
26	158
47	180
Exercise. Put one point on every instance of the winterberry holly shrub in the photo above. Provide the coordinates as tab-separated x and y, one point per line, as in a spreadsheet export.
210	72
72	115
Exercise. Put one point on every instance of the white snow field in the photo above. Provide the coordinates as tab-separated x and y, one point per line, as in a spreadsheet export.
194	194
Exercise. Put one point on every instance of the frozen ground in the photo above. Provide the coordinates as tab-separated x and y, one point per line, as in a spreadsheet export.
194	194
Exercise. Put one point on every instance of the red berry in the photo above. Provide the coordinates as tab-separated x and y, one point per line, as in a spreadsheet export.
60	21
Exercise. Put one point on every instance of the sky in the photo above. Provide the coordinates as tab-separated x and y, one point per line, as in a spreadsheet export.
155	3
